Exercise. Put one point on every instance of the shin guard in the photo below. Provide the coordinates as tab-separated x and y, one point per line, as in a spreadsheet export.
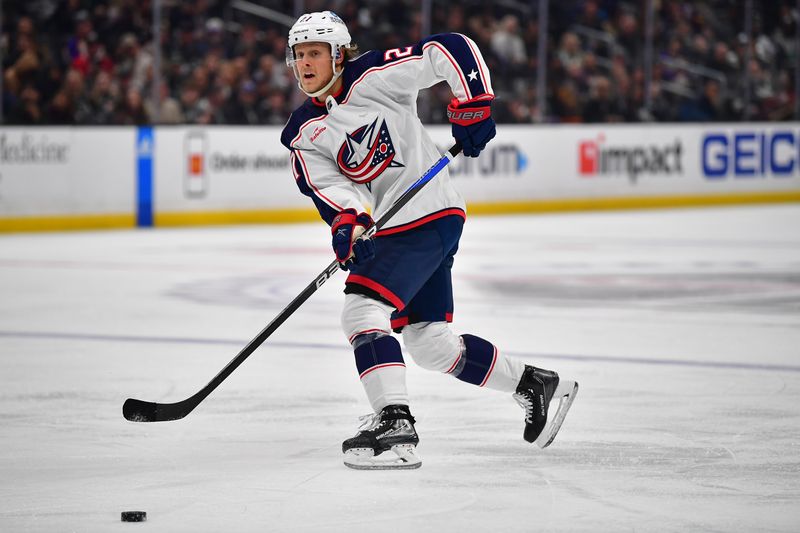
382	371
481	364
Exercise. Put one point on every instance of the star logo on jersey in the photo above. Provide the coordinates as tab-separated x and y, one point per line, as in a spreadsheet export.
473	76
367	152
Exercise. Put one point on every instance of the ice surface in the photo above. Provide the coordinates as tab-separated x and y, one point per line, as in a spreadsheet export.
682	327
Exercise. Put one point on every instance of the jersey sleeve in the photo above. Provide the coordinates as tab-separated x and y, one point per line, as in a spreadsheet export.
449	57
317	178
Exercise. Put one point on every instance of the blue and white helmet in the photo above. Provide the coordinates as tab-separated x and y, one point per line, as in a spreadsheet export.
320	27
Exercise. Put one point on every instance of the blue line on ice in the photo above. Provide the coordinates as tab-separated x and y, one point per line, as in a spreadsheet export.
307	345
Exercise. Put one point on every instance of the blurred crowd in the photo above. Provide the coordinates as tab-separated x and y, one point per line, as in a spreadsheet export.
92	62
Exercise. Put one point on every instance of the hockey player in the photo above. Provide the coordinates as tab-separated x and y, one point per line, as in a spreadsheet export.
357	142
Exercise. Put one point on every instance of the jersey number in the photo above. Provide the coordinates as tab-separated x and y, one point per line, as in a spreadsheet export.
396	53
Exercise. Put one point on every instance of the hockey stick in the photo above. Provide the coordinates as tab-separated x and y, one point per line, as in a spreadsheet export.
142	411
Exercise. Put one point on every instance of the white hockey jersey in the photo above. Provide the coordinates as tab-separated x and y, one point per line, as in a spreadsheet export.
370	146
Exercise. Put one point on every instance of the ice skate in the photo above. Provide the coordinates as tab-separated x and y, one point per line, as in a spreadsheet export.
536	391
390	430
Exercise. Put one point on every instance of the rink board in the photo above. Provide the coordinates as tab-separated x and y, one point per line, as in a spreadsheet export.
70	178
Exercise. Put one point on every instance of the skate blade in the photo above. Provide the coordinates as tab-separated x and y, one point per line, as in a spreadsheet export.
565	392
405	458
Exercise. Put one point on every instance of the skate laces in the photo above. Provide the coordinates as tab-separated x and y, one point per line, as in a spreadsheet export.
526	403
369	421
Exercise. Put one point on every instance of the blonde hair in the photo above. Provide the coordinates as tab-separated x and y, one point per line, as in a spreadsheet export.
352	52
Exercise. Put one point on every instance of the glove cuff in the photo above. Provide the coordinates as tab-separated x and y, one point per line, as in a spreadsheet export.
350	217
471	111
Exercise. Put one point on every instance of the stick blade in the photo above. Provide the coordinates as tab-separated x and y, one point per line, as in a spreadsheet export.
141	411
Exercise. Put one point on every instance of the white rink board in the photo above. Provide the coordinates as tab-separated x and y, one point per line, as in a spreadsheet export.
67	171
238	168
90	171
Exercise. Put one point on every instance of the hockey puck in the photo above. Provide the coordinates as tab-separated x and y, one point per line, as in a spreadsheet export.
134	516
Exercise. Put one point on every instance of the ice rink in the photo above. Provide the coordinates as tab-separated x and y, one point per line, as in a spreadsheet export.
682	327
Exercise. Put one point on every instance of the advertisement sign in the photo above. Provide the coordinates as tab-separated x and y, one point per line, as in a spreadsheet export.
66	171
223	168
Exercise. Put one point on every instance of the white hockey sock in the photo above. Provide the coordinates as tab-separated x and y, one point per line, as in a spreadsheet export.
386	386
506	374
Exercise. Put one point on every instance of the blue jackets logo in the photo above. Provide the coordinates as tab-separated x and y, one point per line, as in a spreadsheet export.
367	152
748	154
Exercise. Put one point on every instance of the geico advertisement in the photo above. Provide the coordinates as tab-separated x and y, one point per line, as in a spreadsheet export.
751	152
223	168
65	171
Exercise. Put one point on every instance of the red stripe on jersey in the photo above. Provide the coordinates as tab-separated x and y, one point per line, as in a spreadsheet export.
377	287
424	220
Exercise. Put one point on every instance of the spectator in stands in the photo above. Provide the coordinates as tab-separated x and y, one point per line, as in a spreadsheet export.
194	106
24	62
28	110
271	109
570	55
102	100
243	108
603	106
132	110
60	110
629	37
567	103
169	110
135	63
709	107
593	17
507	44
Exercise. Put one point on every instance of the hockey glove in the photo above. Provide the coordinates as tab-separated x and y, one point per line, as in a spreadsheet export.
473	125
346	229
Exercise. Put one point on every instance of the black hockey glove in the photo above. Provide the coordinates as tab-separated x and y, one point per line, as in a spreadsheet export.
473	125
346	229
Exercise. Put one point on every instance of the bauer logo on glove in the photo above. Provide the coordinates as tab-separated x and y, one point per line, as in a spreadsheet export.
473	125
